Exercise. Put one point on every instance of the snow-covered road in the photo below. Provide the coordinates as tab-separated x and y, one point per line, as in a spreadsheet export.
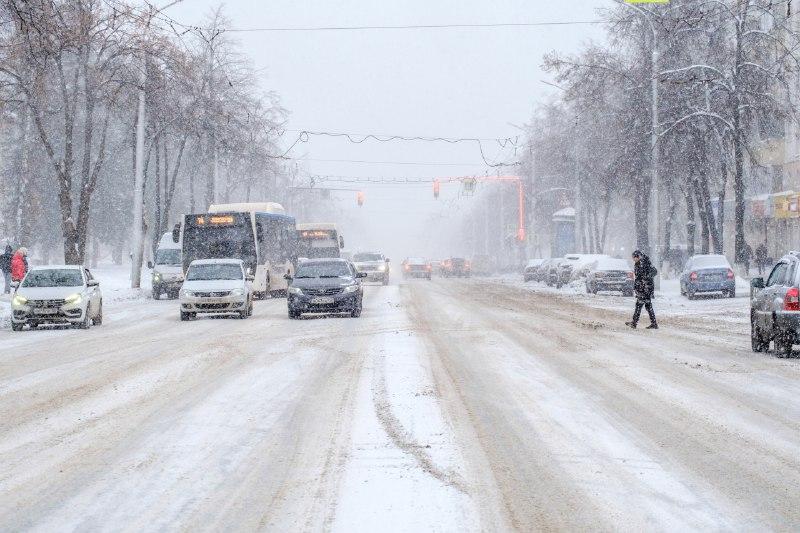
449	405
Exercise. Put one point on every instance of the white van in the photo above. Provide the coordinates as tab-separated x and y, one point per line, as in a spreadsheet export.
167	268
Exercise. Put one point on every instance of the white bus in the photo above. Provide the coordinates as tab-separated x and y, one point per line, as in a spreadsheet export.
262	235
318	239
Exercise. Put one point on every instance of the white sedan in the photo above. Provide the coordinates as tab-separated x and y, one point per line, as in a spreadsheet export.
65	294
216	286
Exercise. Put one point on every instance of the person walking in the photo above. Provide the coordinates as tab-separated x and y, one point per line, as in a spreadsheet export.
644	287
761	258
19	264
747	256
5	266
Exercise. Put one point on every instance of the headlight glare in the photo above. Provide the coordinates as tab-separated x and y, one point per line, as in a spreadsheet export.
351	288
295	290
382	268
237	292
73	299
19	300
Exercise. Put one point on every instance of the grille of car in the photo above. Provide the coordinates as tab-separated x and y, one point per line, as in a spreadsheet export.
210	307
323	292
364	268
214	294
46	303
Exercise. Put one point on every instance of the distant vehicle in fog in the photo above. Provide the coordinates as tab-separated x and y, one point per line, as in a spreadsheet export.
316	240
417	267
374	264
708	273
482	265
610	274
456	267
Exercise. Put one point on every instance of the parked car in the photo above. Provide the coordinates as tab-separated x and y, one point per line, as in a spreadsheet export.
375	265
216	286
708	273
585	261
530	270
417	267
610	274
63	294
325	286
551	272
775	307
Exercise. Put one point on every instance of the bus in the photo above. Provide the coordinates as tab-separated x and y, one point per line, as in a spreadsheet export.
262	235
318	239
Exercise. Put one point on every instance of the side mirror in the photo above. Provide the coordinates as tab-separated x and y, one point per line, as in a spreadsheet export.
341	241
92	283
757	283
250	277
176	232
361	274
288	277
388	260
150	264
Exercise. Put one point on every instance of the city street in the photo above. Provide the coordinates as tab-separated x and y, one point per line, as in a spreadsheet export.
449	405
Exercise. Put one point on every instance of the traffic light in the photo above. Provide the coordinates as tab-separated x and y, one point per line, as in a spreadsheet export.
360	198
436	186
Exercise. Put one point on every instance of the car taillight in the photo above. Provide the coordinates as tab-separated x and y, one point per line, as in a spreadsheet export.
407	267
730	274
693	276
427	267
630	275
791	302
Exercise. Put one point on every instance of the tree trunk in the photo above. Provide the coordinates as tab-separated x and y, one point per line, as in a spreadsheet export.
641	212
691	225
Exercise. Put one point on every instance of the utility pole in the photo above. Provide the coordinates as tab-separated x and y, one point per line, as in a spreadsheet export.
137	236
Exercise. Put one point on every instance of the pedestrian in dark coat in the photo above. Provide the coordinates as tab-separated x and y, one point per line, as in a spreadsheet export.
761	257
644	288
5	266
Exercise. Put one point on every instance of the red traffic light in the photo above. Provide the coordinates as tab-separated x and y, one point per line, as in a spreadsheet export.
436	186
360	198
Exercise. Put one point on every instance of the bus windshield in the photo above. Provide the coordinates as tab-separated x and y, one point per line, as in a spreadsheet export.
233	241
317	243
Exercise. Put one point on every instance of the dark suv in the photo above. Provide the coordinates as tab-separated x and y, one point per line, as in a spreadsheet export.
325	286
775	307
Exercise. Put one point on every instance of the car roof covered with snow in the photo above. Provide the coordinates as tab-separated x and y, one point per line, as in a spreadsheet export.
709	261
56	267
224	261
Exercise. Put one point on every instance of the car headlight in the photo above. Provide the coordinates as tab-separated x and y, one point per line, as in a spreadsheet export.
156	276
381	268
186	294
295	290
19	300
351	288
73	299
237	292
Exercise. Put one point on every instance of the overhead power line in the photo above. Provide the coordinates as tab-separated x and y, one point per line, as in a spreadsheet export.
415	163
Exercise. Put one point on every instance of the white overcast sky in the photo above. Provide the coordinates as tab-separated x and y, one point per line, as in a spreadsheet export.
424	82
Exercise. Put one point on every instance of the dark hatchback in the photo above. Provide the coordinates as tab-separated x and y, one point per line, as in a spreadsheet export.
325	286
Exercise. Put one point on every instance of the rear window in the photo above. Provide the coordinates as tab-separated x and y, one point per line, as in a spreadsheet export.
416	261
710	261
363	258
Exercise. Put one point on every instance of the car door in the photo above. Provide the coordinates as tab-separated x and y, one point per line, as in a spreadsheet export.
765	300
93	294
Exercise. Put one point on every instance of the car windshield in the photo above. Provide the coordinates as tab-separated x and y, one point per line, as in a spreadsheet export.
214	272
168	256
54	277
415	261
362	258
332	269
710	261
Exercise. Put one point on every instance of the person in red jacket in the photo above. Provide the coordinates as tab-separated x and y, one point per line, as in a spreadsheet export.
19	264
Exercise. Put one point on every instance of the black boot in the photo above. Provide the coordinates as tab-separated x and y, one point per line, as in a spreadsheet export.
631	324
653	326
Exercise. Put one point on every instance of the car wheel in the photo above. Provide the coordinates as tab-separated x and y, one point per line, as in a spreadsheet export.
98	320
16	326
690	295
355	313
385	281
757	342
156	294
186	316
783	344
85	323
293	315
732	293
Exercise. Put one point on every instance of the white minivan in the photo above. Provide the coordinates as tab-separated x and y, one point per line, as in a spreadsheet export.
167	268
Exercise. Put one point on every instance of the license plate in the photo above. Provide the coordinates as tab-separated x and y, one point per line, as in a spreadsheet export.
322	300
45	311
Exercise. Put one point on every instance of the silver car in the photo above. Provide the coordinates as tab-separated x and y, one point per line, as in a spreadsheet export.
216	286
63	294
374	265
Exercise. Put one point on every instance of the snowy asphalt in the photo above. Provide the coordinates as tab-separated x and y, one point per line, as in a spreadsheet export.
449	405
